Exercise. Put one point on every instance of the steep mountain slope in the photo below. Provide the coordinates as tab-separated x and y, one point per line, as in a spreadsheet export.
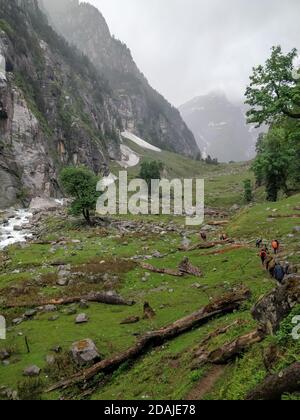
220	127
55	108
143	110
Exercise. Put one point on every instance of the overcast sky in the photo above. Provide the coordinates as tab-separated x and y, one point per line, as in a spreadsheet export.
188	47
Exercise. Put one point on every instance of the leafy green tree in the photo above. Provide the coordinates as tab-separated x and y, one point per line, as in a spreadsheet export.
272	162
150	170
274	90
81	184
248	192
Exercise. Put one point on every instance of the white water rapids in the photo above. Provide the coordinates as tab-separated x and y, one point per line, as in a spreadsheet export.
12	232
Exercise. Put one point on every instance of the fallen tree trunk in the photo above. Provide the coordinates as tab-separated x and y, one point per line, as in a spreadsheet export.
274	386
284	216
106	298
272	308
230	351
214	334
221	306
205	245
168	271
202	245
218	222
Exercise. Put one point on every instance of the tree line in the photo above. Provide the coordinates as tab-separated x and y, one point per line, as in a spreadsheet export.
274	99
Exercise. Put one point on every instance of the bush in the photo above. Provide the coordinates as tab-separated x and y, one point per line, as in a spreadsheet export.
248	193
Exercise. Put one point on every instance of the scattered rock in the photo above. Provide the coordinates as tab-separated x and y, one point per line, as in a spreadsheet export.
49	308
71	311
8	394
81	319
4	354
85	351
296	229
157	254
185	243
235	207
32	371
62	282
83	304
53	318
30	314
17	321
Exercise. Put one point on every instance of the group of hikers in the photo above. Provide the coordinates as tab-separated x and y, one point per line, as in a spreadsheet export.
276	270
268	258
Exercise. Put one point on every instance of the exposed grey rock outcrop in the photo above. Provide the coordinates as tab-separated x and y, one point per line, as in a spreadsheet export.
55	110
58	107
142	110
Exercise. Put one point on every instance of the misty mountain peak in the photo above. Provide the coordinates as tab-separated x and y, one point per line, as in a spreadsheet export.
219	126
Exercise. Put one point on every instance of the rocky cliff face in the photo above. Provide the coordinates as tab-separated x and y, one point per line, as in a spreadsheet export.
55	109
142	110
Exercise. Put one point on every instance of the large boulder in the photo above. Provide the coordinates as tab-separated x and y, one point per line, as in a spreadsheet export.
272	308
32	371
47	204
85	351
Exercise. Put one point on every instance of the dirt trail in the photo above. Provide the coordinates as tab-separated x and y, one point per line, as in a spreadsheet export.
206	384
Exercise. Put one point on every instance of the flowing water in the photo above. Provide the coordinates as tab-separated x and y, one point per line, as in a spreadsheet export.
11	233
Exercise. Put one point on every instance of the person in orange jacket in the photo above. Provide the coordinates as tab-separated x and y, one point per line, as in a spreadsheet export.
275	246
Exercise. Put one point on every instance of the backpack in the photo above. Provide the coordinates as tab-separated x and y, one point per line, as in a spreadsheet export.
279	273
263	254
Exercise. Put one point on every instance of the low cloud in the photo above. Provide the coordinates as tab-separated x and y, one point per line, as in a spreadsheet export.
189	47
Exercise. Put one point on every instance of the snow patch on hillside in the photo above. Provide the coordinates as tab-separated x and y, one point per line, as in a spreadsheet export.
142	143
129	157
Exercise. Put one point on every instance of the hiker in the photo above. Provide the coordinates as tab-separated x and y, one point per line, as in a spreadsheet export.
275	246
259	243
279	273
223	237
203	236
270	264
263	255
